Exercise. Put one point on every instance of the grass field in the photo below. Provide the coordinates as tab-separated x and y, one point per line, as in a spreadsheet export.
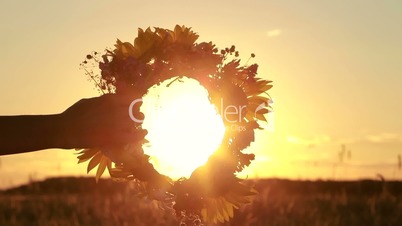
80	201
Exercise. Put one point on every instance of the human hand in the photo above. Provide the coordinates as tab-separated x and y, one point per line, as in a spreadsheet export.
100	121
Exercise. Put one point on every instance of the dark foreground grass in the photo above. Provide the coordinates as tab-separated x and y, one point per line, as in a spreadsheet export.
80	201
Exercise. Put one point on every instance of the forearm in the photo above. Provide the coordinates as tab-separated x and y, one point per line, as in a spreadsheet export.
95	122
20	134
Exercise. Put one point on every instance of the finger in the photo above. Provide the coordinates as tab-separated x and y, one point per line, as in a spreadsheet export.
124	100
135	136
108	101
123	117
131	104
109	105
136	116
106	138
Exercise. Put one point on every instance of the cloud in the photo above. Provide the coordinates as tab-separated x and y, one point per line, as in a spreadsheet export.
310	142
274	32
367	139
384	138
378	138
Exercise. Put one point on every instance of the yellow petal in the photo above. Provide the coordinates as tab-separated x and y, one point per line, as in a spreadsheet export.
204	214
94	161
220	210
87	154
101	167
109	166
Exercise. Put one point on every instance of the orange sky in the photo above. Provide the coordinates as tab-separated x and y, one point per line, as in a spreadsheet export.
336	68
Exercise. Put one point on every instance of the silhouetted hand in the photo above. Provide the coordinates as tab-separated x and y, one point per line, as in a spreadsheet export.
100	121
89	123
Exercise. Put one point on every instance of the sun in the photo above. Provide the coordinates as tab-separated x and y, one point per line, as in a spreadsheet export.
184	128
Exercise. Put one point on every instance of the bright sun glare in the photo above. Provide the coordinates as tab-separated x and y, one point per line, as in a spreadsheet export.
184	128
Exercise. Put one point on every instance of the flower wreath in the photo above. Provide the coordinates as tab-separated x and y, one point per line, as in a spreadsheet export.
213	191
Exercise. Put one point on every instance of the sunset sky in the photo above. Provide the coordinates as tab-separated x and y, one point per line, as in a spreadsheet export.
336	67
